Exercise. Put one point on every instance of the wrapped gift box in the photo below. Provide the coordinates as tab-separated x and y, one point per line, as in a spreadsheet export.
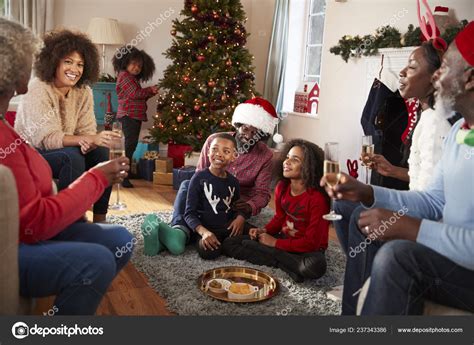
163	178
146	167
164	165
182	174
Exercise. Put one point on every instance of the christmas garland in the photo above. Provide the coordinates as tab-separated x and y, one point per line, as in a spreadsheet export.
387	37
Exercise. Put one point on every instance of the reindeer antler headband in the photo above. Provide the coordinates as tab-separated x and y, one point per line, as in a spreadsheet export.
438	42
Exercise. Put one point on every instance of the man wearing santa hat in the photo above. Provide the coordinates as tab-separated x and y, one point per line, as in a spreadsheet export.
255	121
419	245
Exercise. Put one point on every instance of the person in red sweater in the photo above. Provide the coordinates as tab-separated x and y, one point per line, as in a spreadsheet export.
132	66
296	238
74	260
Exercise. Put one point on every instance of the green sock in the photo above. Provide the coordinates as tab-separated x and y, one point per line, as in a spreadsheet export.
172	238
150	231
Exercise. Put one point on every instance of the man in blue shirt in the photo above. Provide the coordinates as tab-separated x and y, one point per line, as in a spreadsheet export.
420	245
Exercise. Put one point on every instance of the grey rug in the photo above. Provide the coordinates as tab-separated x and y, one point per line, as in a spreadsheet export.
175	279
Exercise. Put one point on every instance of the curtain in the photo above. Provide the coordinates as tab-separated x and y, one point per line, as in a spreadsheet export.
34	14
275	72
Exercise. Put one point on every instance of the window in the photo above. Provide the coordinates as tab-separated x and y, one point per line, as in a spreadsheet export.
305	40
314	41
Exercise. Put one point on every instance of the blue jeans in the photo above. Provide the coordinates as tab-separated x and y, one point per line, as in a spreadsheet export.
180	205
77	265
346	210
68	164
405	273
360	257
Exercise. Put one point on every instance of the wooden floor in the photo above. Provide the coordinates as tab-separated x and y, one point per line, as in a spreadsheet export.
129	293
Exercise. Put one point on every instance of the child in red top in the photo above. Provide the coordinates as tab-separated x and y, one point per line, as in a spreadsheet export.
297	236
133	66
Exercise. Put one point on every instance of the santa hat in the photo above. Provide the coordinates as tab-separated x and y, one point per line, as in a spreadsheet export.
465	43
441	11
256	112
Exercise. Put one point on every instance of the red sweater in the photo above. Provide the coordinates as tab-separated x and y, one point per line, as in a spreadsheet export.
299	219
43	215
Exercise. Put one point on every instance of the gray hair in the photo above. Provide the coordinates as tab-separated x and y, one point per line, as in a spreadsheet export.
17	45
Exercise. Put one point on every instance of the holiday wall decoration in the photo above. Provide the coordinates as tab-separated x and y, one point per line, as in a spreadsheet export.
210	74
388	37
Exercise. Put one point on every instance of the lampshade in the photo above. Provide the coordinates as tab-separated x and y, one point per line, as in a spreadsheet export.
105	31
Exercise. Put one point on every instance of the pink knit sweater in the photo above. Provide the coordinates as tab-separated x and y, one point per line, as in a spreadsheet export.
45	115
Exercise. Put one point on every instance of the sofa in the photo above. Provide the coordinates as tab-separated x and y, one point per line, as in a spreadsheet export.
10	301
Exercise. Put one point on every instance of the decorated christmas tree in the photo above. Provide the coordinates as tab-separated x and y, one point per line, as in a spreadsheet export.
211	73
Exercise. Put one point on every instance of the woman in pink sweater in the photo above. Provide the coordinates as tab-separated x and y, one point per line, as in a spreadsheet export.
57	114
76	261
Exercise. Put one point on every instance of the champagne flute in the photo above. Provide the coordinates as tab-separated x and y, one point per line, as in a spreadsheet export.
332	174
367	153
117	150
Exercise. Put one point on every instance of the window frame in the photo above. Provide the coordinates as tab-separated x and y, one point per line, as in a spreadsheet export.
315	77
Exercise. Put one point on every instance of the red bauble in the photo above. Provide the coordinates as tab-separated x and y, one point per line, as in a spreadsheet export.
237	31
201	58
197	107
173	32
223	124
194	9
211	38
224	97
186	79
199	136
211	83
228	63
180	118
161	126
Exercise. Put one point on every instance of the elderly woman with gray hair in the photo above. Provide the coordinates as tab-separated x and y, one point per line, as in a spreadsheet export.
74	260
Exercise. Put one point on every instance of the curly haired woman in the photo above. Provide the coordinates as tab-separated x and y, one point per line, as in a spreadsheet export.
57	114
73	260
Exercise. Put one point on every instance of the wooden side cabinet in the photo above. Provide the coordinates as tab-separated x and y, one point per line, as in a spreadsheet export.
100	91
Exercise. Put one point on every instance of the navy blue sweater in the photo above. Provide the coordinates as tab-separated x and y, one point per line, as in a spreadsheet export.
210	199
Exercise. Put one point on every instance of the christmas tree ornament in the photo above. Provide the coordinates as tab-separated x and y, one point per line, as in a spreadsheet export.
180	118
173	32
197	107
211	38
237	31
211	83
194	9
223	124
186	79
161	126
201	58
224	97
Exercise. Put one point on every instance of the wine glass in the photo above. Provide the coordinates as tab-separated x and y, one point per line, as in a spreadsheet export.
117	150
332	174
367	153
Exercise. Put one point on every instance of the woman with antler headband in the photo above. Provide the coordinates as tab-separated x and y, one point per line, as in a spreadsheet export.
427	138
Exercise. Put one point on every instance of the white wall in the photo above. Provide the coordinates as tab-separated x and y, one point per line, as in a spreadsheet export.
343	85
134	15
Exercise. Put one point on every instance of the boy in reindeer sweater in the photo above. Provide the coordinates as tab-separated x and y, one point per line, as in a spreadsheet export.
211	194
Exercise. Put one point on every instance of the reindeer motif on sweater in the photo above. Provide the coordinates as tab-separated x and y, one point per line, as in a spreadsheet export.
209	201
